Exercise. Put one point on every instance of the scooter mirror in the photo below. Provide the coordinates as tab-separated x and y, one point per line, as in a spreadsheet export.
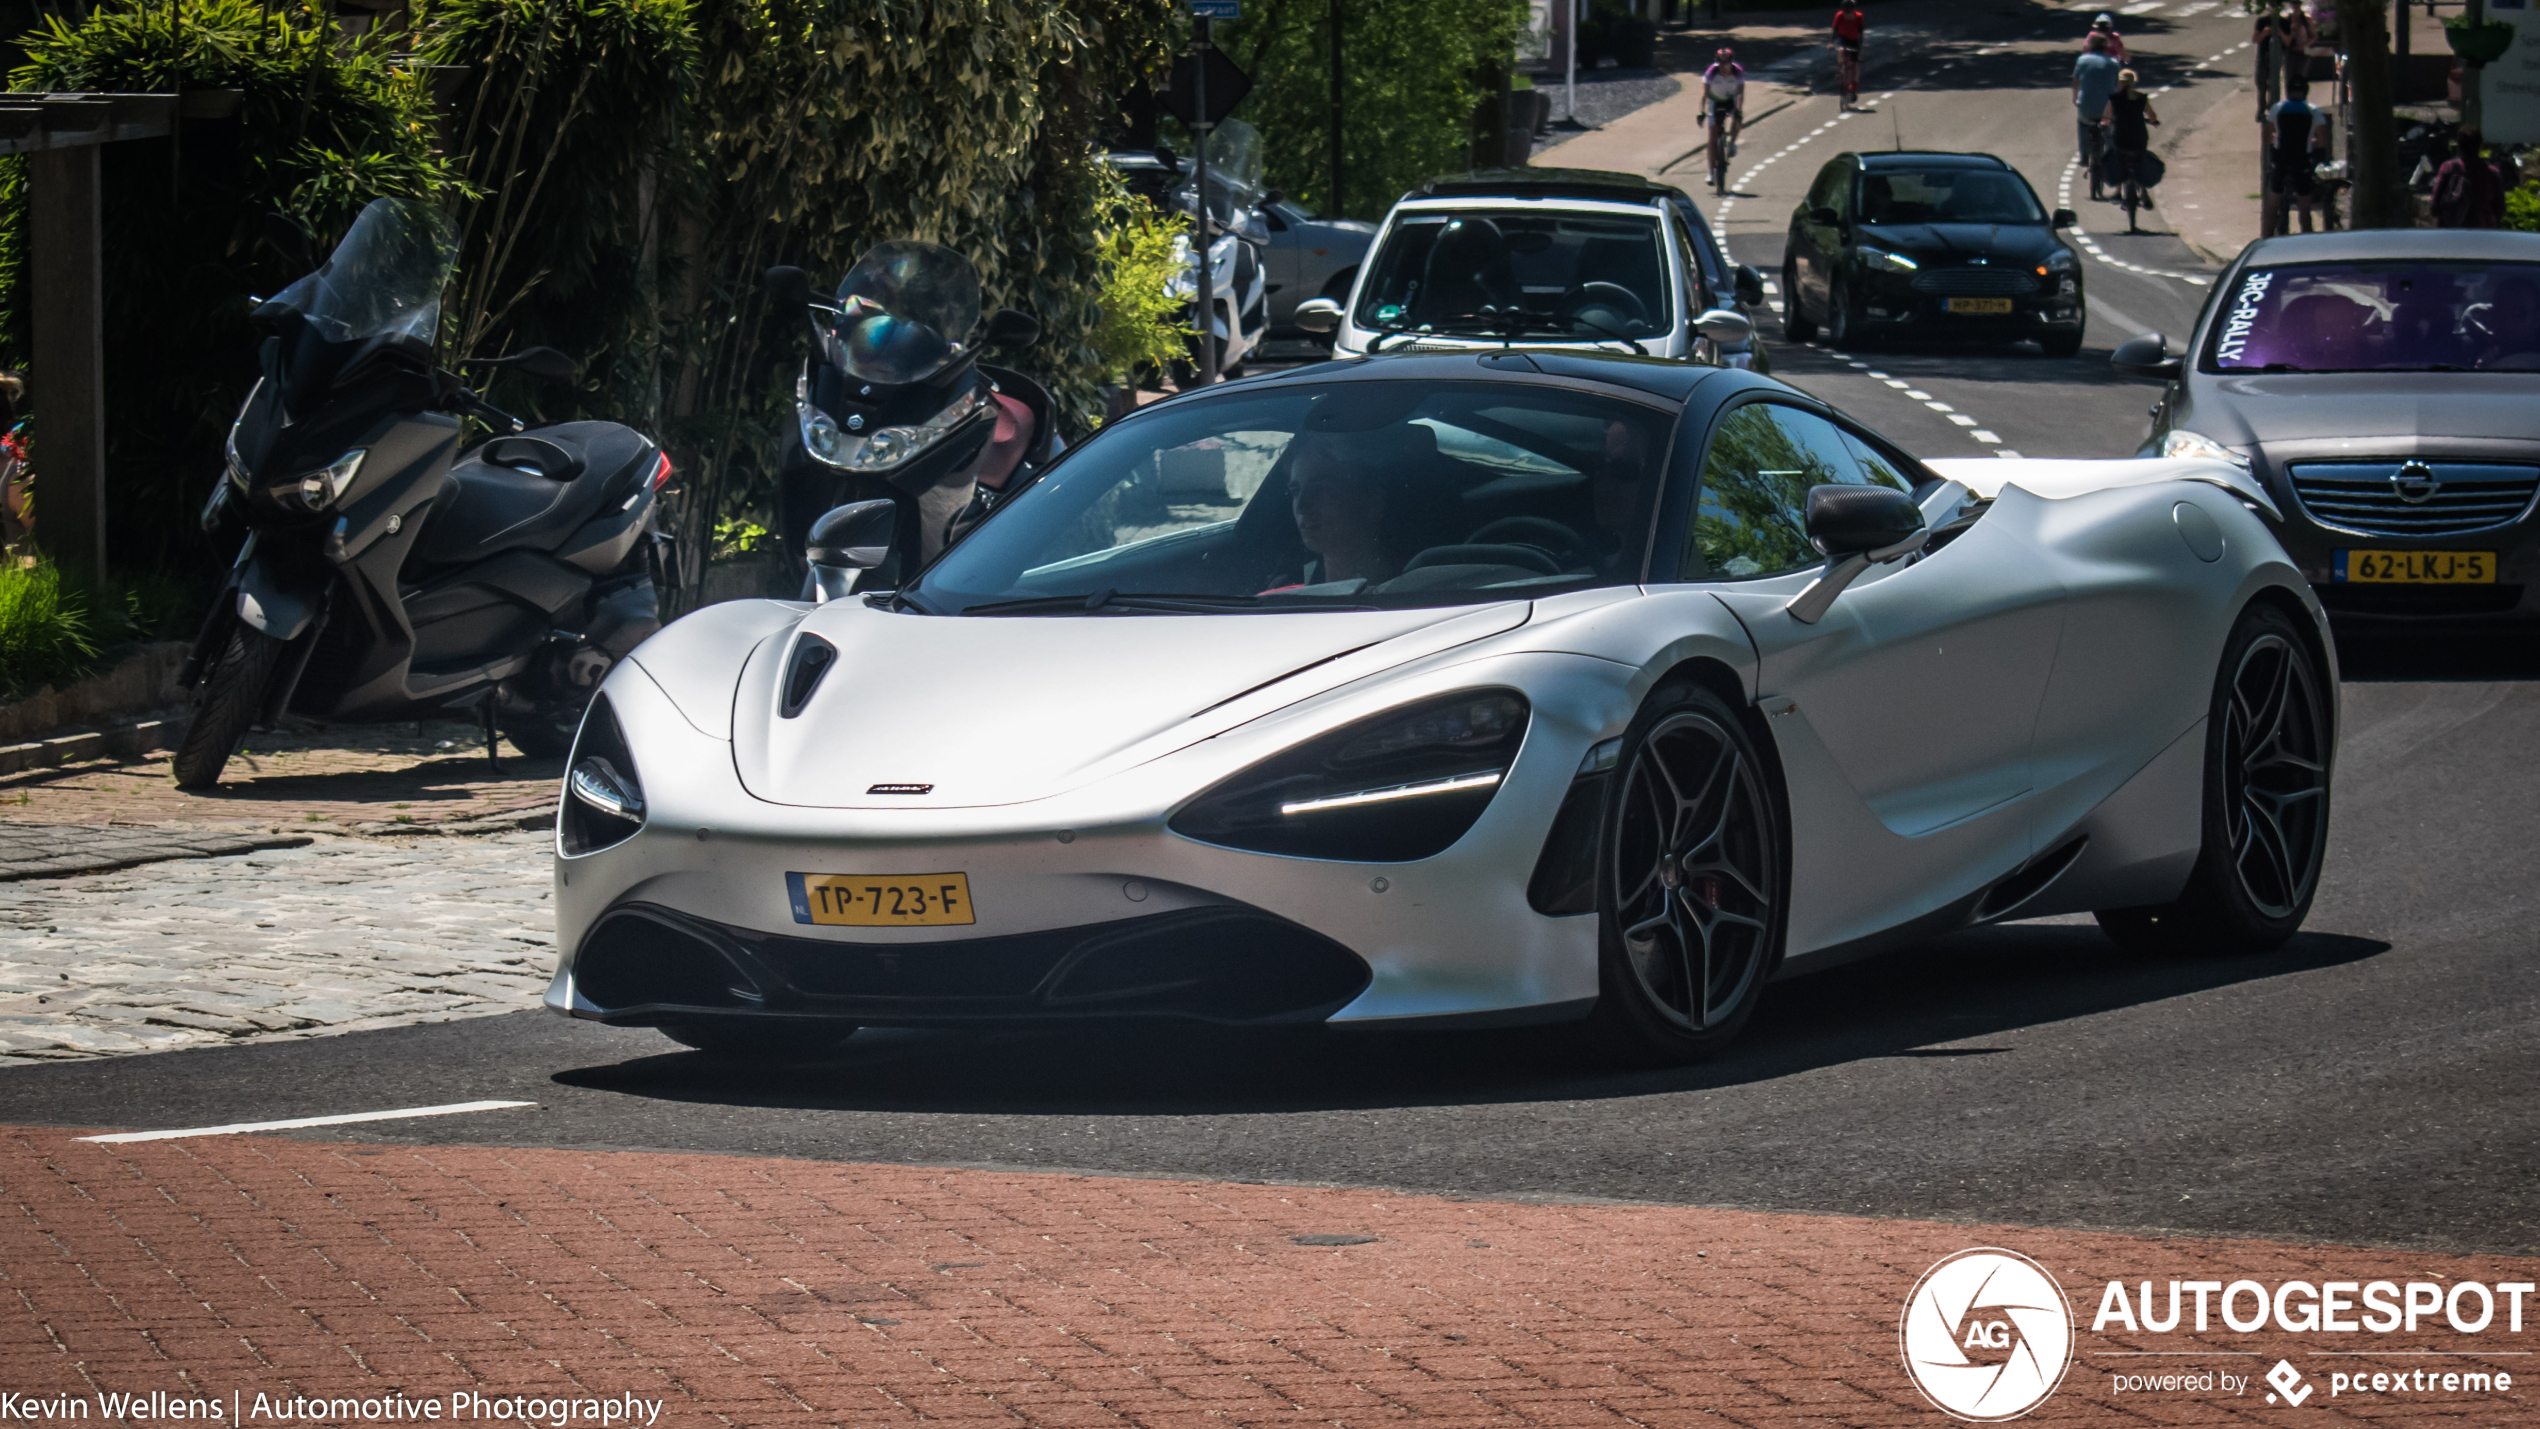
288	238
545	364
1013	330
789	285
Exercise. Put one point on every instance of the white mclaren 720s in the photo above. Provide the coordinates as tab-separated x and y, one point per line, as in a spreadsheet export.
1449	690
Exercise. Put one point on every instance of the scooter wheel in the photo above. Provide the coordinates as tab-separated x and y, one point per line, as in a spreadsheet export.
233	694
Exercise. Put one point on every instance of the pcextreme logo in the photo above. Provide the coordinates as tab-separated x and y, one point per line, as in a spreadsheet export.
1987	1335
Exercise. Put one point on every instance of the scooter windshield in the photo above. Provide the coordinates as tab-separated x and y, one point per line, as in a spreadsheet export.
1235	167
384	278
904	310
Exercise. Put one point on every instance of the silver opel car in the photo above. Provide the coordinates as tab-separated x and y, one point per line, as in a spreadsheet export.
2384	386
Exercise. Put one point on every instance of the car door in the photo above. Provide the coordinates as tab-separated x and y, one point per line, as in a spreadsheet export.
1905	716
1819	245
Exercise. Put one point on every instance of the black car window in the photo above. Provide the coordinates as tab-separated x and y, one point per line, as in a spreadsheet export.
1484	272
1951	195
1834	181
1338	495
1751	516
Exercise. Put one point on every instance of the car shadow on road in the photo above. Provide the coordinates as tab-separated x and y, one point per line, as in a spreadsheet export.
2368	655
1932	1001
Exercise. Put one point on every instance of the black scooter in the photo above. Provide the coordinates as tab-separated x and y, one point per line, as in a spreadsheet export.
377	577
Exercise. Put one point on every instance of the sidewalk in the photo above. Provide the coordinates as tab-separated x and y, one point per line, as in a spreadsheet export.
780	1293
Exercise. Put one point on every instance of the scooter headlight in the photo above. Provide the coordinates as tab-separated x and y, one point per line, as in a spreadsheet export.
1404	785
882	448
1184	284
322	488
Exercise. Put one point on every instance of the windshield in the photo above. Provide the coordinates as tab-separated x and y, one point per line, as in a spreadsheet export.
1394	493
1947	196
1508	272
384	279
1235	166
903	312
2399	316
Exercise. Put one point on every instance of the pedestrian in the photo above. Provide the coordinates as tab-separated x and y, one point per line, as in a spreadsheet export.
2283	38
2094	79
2468	190
2294	130
17	483
2104	30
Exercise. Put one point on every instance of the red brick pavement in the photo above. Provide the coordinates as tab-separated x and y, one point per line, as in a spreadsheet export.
764	1292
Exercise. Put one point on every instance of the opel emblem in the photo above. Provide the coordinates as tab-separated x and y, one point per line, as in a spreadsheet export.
2415	483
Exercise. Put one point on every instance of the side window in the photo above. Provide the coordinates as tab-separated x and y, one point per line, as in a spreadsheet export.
1876	469
1830	180
1751	516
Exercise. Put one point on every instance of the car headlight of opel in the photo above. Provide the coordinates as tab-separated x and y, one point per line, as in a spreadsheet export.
2184	443
1403	785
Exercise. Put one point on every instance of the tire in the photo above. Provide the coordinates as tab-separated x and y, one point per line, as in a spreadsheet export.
1838	315
1795	321
1691	890
754	1040
231	696
2268	754
2062	344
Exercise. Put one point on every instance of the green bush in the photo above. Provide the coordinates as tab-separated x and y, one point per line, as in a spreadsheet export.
1408	87
2522	206
325	125
44	636
1140	325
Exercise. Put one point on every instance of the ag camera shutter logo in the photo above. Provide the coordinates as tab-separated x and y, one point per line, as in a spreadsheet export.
1987	1335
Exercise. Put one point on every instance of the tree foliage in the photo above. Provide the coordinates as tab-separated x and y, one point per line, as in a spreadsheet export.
1410	77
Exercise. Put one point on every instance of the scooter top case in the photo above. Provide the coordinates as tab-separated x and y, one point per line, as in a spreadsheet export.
511	548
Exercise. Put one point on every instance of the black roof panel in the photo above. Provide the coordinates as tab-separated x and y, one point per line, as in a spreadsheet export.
1550	183
1930	159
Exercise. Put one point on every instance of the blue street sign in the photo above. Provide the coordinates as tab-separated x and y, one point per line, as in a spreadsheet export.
1218	9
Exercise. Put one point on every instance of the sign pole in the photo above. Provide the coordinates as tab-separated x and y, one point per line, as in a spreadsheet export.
1205	309
1335	207
1570	74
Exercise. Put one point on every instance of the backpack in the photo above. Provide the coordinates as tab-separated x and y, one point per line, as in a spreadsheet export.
2452	196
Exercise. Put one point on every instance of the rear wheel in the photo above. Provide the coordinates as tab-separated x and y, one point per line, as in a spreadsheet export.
232	696
1690	893
1795	323
754	1040
2265	818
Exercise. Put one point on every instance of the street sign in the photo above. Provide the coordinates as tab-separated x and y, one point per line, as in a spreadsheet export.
2509	89
1227	87
1218	9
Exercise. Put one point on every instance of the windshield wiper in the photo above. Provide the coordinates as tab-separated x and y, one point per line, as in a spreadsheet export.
1112	602
1582	320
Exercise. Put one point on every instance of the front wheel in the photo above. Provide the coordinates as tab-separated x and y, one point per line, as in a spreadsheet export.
1795	321
1838	315
231	697
1690	892
2268	747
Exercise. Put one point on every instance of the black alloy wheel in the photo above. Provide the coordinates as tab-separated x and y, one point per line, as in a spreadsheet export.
1838	314
2269	745
1795	323
1690	883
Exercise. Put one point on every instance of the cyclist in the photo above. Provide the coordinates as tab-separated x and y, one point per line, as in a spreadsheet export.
2104	29
1849	23
2130	121
2094	79
1723	111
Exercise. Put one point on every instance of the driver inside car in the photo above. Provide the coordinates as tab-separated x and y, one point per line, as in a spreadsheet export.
1340	503
1617	497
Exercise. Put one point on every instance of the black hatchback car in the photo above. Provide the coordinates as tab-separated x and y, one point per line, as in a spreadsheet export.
1932	246
2385	386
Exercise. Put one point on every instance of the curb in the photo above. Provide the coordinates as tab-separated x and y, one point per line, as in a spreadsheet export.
542	817
123	739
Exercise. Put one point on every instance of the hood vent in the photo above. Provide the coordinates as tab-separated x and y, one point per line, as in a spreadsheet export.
812	658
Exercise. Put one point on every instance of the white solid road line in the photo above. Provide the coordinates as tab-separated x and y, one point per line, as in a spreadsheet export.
295	1123
2116	317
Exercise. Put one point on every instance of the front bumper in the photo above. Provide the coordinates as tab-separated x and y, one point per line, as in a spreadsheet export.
1087	905
2319	549
1892	300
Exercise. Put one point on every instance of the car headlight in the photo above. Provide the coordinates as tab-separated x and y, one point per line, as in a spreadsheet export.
2060	261
1404	785
2184	443
603	798
323	487
1892	262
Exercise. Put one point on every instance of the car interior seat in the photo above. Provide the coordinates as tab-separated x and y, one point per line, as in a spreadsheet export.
1468	269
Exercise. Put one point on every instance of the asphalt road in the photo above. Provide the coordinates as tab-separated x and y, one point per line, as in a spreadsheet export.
2374	1081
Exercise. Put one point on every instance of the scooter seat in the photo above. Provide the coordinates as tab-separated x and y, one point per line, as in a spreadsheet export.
533	491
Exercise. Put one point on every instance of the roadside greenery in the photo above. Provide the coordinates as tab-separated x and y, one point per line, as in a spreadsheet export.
44	638
1412	71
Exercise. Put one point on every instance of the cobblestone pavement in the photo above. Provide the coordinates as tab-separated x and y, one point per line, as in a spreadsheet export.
372	779
51	850
764	1292
337	936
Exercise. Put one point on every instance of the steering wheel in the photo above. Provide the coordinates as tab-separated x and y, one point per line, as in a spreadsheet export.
1625	303
1539	531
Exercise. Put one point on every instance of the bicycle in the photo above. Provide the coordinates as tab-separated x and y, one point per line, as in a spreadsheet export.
1723	147
1847	72
2130	190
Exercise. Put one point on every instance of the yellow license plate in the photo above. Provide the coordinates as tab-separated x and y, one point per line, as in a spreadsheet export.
874	900
1979	305
2417	567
